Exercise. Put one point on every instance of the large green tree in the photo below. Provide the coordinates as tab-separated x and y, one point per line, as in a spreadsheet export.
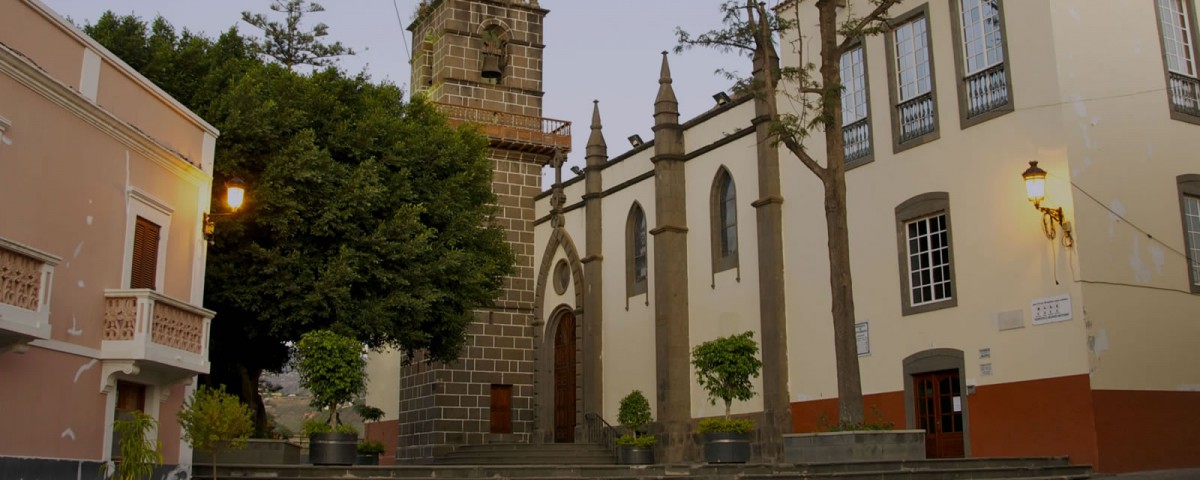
815	92
365	214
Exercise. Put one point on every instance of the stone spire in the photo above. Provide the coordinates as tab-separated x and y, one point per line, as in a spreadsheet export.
666	107
597	148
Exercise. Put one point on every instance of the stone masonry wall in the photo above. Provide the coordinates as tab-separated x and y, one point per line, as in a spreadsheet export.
446	405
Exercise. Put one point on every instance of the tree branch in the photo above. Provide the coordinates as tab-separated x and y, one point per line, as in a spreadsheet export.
875	15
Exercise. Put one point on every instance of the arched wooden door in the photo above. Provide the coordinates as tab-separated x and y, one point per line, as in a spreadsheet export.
564	380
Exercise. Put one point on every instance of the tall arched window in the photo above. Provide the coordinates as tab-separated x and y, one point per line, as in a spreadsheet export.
636	265
724	222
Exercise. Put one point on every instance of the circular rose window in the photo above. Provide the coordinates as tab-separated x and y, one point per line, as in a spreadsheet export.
562	277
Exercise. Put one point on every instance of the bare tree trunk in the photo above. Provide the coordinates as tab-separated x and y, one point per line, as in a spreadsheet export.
850	402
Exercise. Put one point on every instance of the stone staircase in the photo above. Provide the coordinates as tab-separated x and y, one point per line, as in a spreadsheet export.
529	454
1052	468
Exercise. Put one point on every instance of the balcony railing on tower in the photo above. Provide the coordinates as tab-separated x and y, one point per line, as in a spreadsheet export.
510	130
1185	94
144	326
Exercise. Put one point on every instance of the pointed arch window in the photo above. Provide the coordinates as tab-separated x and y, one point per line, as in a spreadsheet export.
724	222
636	259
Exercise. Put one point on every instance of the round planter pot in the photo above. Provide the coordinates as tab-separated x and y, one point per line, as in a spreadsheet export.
723	447
332	448
631	455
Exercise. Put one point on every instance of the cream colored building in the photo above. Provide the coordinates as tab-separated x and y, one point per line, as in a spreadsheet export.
104	182
1017	344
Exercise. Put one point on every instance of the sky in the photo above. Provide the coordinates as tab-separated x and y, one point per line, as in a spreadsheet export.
606	50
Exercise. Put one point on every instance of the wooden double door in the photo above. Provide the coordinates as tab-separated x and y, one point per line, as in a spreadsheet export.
938	402
564	380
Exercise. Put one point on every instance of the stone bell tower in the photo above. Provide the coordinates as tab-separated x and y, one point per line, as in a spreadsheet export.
480	61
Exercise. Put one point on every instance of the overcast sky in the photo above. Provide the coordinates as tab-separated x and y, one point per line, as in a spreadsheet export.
607	50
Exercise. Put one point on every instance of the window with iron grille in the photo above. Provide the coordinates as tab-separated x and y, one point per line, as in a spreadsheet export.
1176	22
912	86
982	60
856	125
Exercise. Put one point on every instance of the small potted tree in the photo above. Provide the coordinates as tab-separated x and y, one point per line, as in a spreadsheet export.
634	415
332	368
213	420
724	367
369	450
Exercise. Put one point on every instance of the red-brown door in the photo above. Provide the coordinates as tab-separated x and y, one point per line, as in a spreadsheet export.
501	409
939	412
131	397
564	380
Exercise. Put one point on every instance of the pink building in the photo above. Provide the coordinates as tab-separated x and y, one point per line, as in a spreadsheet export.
104	183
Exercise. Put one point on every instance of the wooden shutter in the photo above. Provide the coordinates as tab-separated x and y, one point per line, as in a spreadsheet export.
145	255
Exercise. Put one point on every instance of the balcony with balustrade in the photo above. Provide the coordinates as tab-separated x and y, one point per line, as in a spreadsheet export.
26	276
150	332
857	140
1185	94
513	131
986	90
916	117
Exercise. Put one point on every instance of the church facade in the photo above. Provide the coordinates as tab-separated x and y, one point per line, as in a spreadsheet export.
1000	329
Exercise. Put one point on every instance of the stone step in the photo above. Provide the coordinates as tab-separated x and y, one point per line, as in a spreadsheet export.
1006	469
528	454
943	463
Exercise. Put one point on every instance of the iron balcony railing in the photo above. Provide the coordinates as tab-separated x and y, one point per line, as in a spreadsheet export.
521	131
986	90
857	139
1185	94
916	117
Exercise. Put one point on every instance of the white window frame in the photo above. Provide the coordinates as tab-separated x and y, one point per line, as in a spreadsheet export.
1191	229
854	85
972	10
942	250
910	63
1175	20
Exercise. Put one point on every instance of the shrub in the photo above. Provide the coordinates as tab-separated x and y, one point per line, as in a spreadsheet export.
643	441
721	425
370	447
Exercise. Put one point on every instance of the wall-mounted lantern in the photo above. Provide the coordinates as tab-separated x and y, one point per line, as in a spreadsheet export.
1035	188
235	194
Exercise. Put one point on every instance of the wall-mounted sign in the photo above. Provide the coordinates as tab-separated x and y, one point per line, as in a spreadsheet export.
862	333
1051	309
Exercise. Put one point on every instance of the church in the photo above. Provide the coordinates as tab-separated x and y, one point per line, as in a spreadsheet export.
1002	322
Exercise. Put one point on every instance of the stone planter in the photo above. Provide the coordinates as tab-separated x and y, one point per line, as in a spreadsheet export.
257	452
724	447
332	448
854	446
631	455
